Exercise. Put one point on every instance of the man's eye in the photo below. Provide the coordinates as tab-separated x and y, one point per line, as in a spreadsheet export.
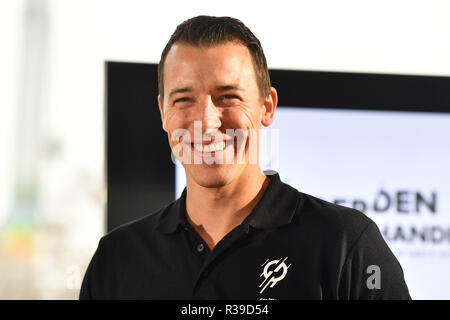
181	100
229	97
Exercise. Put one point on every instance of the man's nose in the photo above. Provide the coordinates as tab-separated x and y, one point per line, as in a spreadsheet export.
210	115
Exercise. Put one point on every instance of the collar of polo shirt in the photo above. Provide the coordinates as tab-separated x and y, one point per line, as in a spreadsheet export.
275	209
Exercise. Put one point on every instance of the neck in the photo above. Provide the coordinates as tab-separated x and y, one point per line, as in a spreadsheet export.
214	212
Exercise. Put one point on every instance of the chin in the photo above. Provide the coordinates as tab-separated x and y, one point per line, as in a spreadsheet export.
210	176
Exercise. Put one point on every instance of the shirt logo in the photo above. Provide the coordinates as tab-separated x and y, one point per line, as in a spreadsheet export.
273	272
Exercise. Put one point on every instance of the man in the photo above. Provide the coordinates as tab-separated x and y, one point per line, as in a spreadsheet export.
236	232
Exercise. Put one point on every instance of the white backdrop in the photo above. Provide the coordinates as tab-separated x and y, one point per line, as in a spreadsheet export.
383	159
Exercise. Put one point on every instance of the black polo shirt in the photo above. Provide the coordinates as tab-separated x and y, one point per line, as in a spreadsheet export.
291	246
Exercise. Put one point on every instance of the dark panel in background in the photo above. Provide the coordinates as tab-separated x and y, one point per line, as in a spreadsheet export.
362	91
140	173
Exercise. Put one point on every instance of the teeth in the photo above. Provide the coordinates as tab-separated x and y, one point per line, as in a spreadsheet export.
210	147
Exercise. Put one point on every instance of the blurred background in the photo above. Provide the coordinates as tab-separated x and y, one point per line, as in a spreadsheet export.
52	125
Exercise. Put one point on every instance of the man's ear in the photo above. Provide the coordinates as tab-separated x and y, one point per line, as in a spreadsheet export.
270	104
161	111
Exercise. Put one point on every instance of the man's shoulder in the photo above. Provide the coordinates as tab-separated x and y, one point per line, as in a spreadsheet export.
329	218
329	211
140	227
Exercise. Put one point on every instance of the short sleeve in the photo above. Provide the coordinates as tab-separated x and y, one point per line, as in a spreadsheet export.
371	271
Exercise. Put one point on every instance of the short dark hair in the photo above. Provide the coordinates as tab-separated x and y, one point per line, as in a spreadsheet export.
208	31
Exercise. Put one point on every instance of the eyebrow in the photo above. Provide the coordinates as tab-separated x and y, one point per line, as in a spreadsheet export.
180	90
229	87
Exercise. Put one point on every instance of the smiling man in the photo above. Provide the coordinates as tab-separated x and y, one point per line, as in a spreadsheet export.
236	232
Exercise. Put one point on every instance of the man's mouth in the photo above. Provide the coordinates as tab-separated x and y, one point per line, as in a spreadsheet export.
211	147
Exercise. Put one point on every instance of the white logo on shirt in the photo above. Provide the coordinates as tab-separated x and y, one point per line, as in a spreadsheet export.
273	272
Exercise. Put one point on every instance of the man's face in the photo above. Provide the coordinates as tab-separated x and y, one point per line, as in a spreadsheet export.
207	92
